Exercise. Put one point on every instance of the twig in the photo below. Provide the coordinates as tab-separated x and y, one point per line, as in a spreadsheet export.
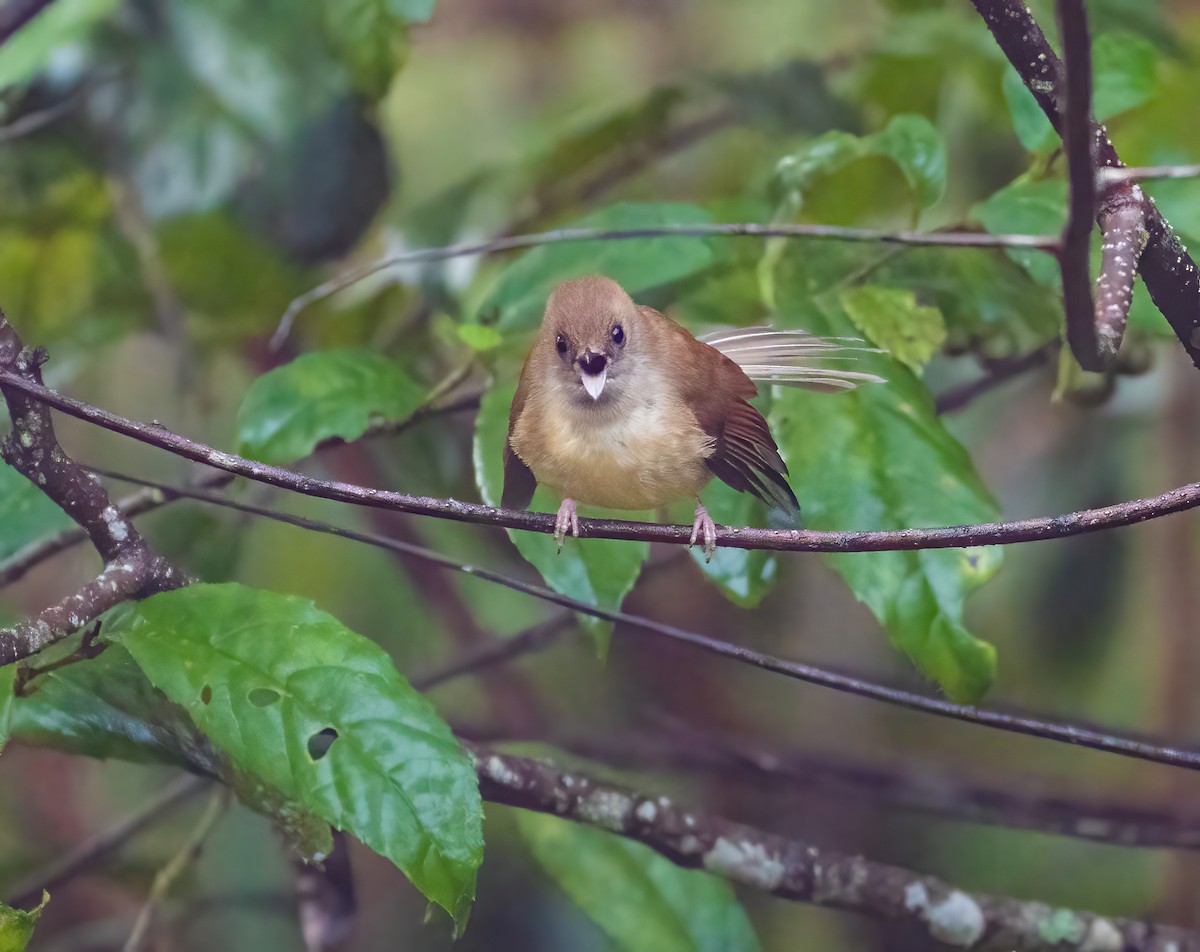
996	372
165	878
914	786
1166	267
782	540
131	567
749	230
101	846
325	896
1081	164
535	638
800	871
1143	173
1062	732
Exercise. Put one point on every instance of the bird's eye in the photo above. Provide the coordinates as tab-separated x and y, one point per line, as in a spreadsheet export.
618	334
561	344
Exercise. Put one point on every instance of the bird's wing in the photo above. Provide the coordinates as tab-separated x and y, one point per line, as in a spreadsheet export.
792	357
717	390
519	481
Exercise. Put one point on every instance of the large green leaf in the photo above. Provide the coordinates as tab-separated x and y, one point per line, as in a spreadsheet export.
519	294
321	715
598	572
743	575
16	925
879	458
25	512
330	393
643	901
1028	207
910	141
106	708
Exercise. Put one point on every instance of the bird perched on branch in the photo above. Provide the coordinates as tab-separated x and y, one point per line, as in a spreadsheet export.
619	406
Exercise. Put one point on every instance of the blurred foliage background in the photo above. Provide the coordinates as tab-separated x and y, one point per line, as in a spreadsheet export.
174	172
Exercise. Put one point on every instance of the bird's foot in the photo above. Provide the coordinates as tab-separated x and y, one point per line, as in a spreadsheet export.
704	528
566	521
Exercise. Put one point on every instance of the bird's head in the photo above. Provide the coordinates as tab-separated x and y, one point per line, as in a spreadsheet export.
590	336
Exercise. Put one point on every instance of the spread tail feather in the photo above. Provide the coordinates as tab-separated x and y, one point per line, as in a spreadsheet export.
792	357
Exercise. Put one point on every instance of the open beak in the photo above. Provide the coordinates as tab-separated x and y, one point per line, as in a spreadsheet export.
594	383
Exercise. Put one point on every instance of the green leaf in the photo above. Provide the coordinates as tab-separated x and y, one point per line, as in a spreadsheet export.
892	318
16	925
644	902
598	572
321	715
1124	73
910	141
318	396
61	23
519	294
879	458
1124	76
1028	207
371	37
106	708
479	336
25	512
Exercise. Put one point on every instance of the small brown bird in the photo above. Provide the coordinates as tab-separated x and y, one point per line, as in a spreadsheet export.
619	406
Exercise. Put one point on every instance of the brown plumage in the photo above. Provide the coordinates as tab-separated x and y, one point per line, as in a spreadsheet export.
619	406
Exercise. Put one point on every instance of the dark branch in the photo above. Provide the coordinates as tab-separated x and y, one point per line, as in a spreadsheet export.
1078	144
783	540
803	872
1077	734
131	567
953	399
1165	266
14	14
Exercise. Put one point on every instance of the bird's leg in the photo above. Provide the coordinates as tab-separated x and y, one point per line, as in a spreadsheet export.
566	521
704	528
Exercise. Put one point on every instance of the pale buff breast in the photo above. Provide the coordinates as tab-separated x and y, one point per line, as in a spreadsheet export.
648	457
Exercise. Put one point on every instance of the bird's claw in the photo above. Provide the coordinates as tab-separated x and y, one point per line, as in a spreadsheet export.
704	528
566	521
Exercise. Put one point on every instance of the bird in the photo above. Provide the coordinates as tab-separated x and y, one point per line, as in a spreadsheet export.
619	406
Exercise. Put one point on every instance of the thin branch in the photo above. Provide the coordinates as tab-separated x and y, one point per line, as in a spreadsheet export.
21	562
912	785
996	372
1081	164
800	871
782	540
1134	173
100	847
1166	267
535	638
165	878
735	230
1062	732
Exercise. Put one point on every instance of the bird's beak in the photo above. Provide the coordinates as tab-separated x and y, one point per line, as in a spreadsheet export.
594	383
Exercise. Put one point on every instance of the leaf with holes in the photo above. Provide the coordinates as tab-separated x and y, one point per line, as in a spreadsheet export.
320	396
879	458
642	900
518	297
599	572
320	714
